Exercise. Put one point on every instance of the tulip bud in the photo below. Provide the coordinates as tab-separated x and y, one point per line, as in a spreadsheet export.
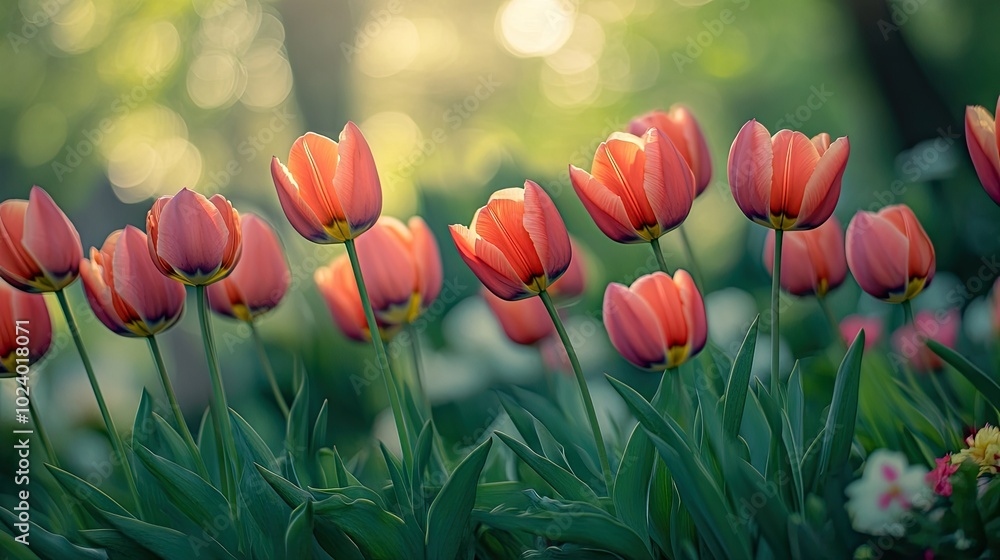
889	253
29	344
680	126
851	325
259	281
909	341
40	250
524	321
981	138
813	262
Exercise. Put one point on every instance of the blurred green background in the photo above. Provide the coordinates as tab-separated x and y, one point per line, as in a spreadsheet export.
109	103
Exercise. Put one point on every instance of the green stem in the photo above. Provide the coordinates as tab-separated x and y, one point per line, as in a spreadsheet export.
168	388
692	262
418	368
109	423
775	297
908	312
229	469
50	451
265	363
383	359
602	452
832	321
655	244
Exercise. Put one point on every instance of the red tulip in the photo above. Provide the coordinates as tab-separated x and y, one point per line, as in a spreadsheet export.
851	325
981	137
909	341
16	306
259	281
40	250
517	244
659	322
194	239
787	181
401	266
524	321
680	126
639	188
330	192
126	290
889	253
573	283
812	261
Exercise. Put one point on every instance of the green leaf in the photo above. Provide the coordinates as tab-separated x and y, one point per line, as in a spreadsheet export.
249	445
739	383
400	486
115	543
297	428
50	545
840	423
174	443
378	534
983	382
299	537
421	458
86	492
194	497
562	481
168	543
522	420
508	493
319	429
631	491
16	550
570	522
448	517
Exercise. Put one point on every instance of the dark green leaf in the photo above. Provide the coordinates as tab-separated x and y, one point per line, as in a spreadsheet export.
379	534
739	383
448	517
983	382
839	433
50	545
562	481
299	537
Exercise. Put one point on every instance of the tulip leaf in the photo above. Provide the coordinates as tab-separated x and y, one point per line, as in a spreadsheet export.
299	536
631	491
448	517
262	516
421	459
319	429
174	443
562	481
400	484
378	534
984	383
838	435
297	428
169	544
739	383
115	543
50	545
86	492
16	550
522	420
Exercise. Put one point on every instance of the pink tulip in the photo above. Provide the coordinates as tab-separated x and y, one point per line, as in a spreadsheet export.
889	253
16	306
981	138
40	250
680	126
517	245
524	321
401	266
910	340
259	281
194	239
851	325
786	181
639	188
812	261
659	322
573	283
126	289
330	192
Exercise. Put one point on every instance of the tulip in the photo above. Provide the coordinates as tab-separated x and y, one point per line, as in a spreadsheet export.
890	254
639	188
851	325
259	281
786	182
340	291
194	239
659	322
40	250
909	341
573	283
517	244
680	126
524	321
814	260
28	311
126	290
330	192
981	137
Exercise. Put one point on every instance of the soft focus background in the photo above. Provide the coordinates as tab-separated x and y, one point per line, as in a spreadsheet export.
110	103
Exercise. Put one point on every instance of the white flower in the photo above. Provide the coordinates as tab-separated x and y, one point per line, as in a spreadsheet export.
888	489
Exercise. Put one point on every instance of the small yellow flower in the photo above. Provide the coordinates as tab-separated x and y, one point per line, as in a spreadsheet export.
984	450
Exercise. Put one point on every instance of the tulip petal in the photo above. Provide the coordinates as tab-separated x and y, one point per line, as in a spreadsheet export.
750	171
524	321
192	236
262	278
51	239
99	294
546	230
156	299
604	206
356	182
694	311
492	268
795	158
313	162
664	300
822	191
619	165
633	328
501	223
295	207
16	266
337	286
428	258
873	247
981	138
387	266
920	257
234	231
668	181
